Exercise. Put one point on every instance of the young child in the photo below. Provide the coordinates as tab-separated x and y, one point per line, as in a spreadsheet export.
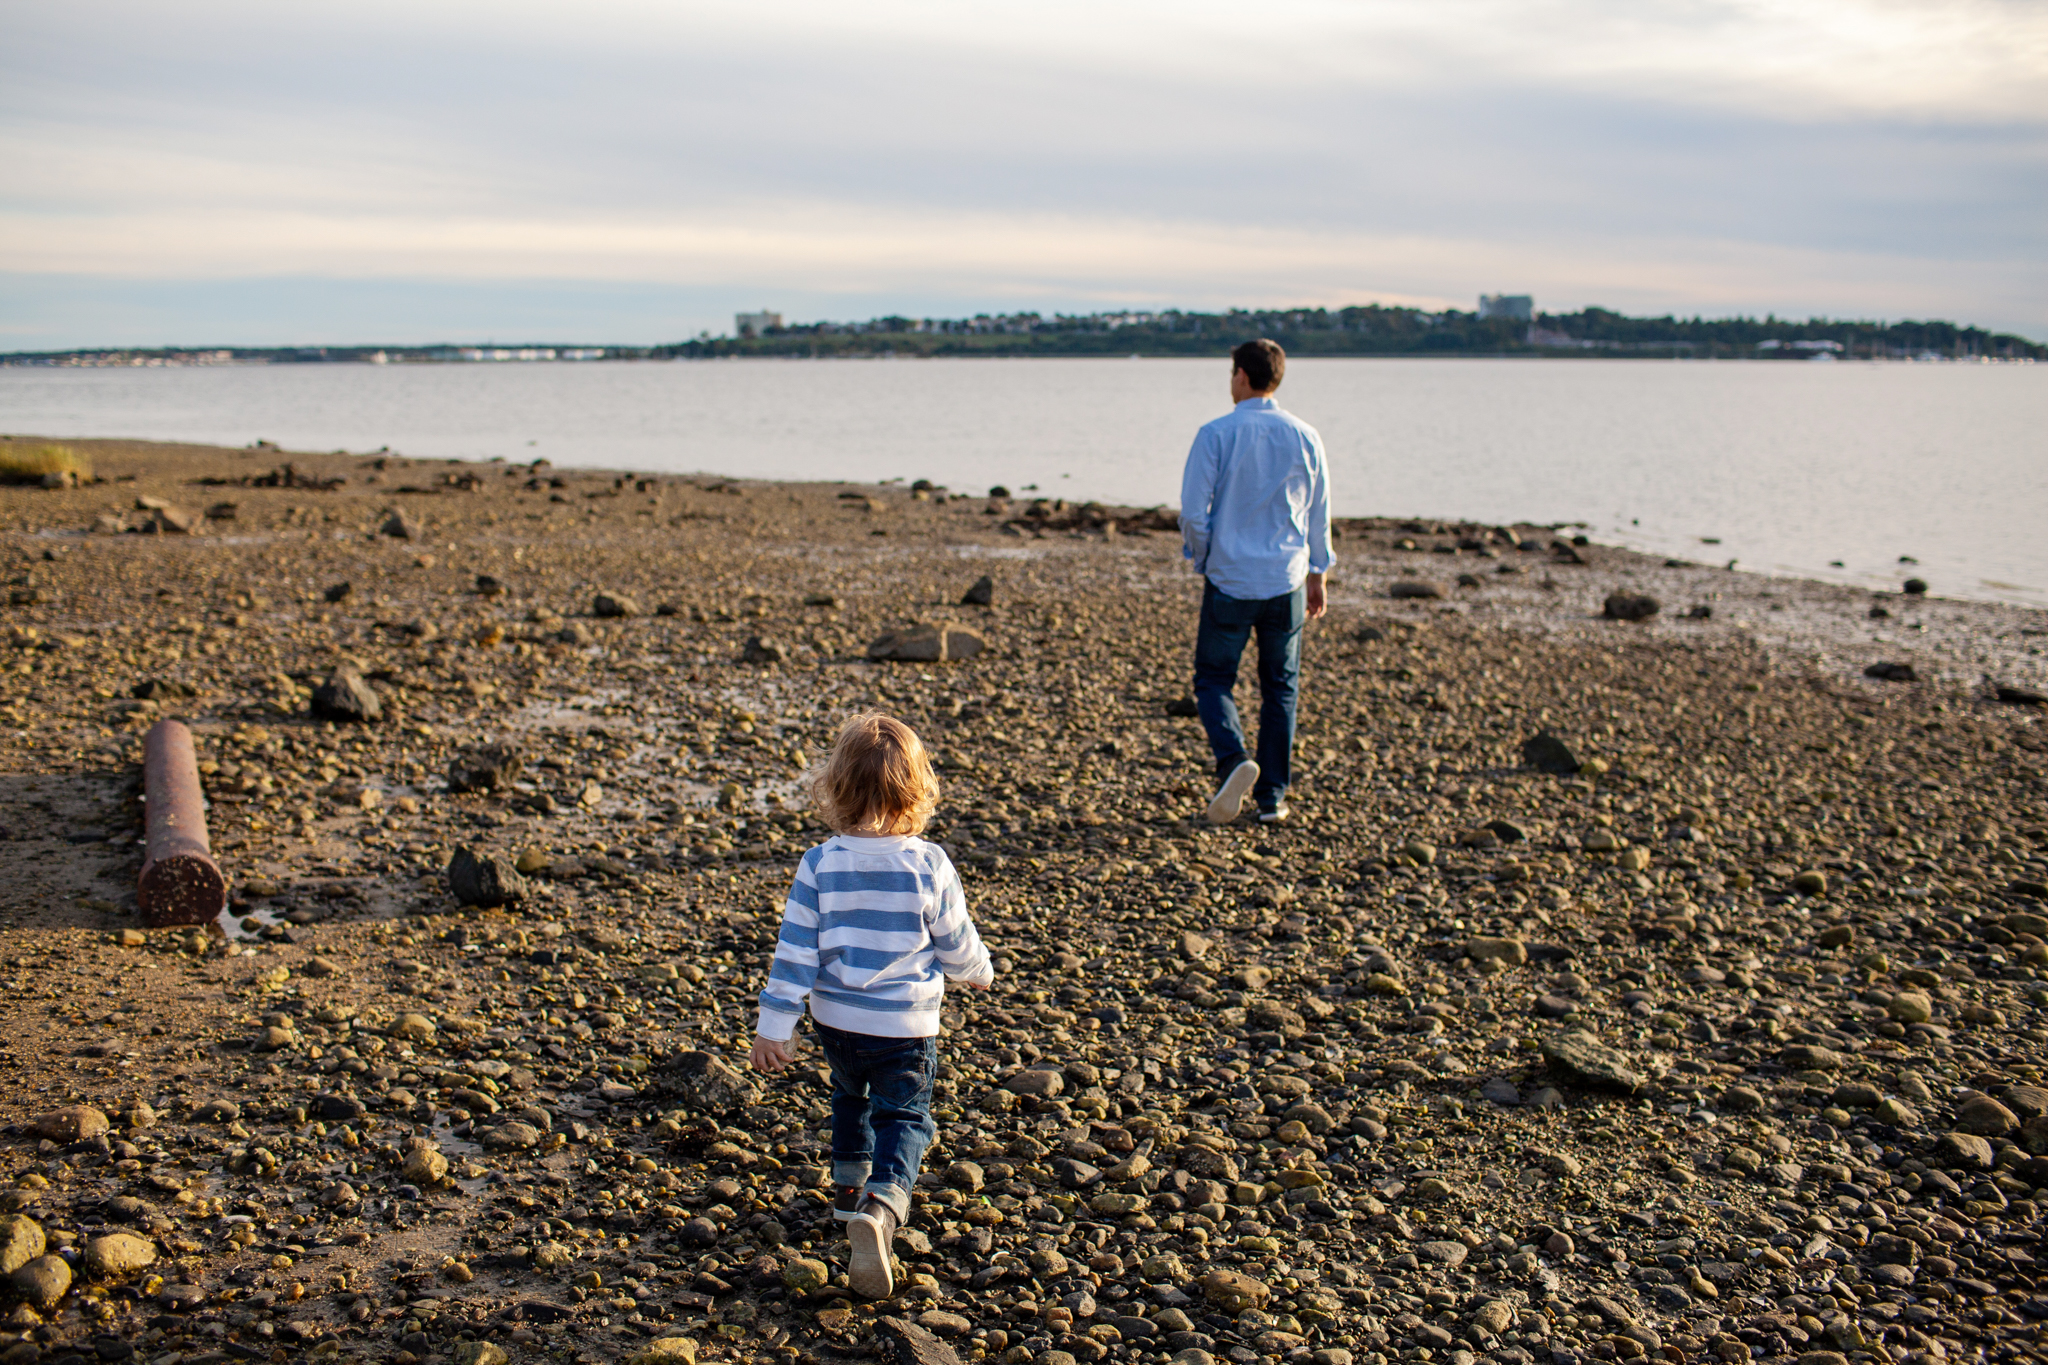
874	928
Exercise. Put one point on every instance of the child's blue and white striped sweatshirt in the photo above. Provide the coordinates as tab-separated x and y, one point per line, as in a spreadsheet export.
872	931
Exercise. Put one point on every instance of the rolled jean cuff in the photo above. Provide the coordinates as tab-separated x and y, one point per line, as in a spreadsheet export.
895	1196
846	1173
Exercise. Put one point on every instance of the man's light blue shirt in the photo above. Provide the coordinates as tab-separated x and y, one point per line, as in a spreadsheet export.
1255	502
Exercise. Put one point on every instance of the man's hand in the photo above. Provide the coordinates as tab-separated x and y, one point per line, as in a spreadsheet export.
1318	602
772	1054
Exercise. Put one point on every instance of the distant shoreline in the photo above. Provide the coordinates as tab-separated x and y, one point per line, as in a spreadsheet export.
1360	332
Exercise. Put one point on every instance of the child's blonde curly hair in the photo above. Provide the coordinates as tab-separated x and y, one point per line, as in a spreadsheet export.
877	775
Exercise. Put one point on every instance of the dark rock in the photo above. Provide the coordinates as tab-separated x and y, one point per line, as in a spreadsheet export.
340	592
2019	696
348	698
484	879
614	604
1182	707
926	644
1585	1058
1890	672
1630	606
399	526
704	1083
982	594
487	768
762	650
1546	753
913	1345
1419	588
1915	587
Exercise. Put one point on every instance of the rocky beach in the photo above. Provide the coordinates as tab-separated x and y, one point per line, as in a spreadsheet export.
1653	969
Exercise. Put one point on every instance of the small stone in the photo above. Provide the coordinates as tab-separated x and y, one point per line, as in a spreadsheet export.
1416	588
1911	1007
550	1256
705	1084
484	879
347	698
73	1123
1511	952
1965	1150
1986	1117
486	768
1741	1099
1897	1113
1036	1082
218	1111
762	649
415	1028
1822	1358
1233	1291
424	1163
1494	1316
614	604
480	1353
1812	882
1555	1007
964	1175
21	1241
926	644
982	594
1546	753
118	1254
1630	606
321	967
512	1137
1890	672
42	1282
666	1351
1449	1255
399	526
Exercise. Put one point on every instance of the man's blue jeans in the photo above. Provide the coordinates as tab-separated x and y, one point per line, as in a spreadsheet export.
881	1111
1227	623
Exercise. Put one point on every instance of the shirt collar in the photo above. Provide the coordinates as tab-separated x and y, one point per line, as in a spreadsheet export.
1261	401
874	843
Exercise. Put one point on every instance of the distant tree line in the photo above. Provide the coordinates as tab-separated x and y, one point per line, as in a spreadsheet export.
1366	330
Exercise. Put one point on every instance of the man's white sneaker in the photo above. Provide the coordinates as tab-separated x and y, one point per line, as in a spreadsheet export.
869	1272
1229	798
1273	816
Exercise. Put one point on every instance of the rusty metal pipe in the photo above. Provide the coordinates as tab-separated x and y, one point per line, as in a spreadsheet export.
180	882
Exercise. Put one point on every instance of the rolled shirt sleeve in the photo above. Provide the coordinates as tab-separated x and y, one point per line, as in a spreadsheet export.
1319	554
1197	492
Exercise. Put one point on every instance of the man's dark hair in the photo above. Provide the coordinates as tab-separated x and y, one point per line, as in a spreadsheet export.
1263	363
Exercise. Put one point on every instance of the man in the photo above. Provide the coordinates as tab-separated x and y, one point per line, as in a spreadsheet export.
1255	523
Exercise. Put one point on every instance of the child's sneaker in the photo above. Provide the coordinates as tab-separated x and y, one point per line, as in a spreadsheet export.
846	1203
869	1272
1230	795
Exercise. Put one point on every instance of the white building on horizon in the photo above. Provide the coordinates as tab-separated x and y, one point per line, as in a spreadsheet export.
1514	307
754	324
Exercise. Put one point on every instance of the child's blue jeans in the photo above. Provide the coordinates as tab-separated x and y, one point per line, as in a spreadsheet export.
881	1111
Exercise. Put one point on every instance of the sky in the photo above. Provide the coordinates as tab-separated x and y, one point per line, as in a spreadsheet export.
223	172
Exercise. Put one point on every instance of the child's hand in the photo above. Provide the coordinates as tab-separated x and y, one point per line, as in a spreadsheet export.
772	1054
977	985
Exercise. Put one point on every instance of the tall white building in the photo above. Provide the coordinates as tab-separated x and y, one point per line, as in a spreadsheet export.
1516	307
753	324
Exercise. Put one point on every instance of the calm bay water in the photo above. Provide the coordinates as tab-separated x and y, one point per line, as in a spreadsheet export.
1788	465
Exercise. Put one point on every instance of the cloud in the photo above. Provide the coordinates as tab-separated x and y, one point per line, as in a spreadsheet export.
1857	155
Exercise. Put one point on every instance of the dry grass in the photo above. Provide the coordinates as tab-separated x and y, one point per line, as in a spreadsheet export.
33	463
